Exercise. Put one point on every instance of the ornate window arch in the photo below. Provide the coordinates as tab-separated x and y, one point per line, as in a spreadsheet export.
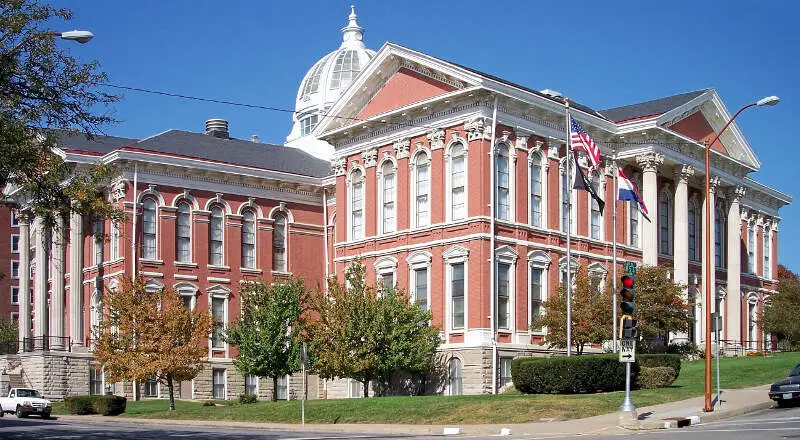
188	293
454	377
185	196
719	234
419	266
665	221
387	195
503	180
251	204
149	245
216	235
280	239
420	188
598	273
456	260
183	232
356	195
506	259
218	200
693	220
538	265
595	214
537	189
386	272
457	179
249	257
567	198
562	267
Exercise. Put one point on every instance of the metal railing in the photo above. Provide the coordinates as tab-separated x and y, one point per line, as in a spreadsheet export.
45	343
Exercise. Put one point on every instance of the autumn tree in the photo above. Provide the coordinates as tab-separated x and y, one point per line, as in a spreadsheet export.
360	334
591	312
268	335
779	316
46	90
660	305
150	333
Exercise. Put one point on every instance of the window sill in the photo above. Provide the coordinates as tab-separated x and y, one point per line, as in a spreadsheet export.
185	264
223	268
280	273
250	270
148	261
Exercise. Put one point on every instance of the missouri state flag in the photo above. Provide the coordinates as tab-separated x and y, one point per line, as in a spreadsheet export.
627	191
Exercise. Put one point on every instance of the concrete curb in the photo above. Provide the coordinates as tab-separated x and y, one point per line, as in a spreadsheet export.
682	422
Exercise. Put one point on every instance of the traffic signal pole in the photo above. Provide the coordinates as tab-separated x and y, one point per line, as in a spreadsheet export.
628	336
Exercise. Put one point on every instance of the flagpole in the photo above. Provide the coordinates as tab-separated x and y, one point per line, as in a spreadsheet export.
568	182
614	247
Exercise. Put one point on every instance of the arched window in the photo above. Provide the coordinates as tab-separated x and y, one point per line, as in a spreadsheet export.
458	182
345	69
96	313
183	233
536	189
595	216
216	236
279	242
751	248
357	205
633	224
149	230
503	184
98	233
249	239
719	235
567	212
664	223
387	194
421	189
767	240
692	219
454	377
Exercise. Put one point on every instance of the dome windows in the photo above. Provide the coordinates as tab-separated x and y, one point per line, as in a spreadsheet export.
345	70
312	82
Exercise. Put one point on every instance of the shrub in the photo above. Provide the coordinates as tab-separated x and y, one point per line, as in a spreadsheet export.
660	360
686	350
568	375
108	405
247	398
754	354
655	377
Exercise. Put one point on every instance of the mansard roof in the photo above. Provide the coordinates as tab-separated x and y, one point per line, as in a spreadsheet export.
97	144
653	107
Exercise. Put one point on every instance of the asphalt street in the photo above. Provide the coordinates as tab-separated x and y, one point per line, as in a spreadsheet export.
777	424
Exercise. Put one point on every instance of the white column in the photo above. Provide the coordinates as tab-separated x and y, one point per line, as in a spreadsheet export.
76	278
681	229
57	298
24	276
41	318
713	184
649	162
734	302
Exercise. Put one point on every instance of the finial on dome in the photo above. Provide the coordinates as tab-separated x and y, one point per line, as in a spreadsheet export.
353	34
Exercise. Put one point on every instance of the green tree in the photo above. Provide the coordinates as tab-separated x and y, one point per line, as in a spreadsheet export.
9	332
46	89
780	312
359	334
150	333
269	332
660	305
591	310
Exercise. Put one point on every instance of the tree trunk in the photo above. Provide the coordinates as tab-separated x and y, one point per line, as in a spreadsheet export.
366	388
171	387
274	388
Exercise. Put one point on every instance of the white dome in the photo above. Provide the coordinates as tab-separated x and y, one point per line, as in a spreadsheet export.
327	79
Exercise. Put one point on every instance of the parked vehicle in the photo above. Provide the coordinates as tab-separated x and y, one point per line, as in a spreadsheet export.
786	392
24	402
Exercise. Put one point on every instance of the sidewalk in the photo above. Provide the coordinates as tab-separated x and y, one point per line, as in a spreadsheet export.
734	403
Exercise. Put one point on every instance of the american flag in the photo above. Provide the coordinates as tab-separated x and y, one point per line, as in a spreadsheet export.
582	141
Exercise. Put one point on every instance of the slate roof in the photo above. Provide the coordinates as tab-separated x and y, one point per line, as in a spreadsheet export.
235	151
98	144
650	108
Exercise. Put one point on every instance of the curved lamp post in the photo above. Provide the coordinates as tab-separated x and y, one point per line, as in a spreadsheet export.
769	100
81	37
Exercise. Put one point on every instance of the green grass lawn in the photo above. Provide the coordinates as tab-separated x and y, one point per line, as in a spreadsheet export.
507	408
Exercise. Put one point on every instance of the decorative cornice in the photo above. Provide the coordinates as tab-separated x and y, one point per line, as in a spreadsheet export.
735	194
649	162
401	148
118	190
713	184
370	157
436	138
552	149
478	128
339	166
522	142
683	173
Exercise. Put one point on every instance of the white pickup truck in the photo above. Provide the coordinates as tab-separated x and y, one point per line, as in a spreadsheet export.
24	402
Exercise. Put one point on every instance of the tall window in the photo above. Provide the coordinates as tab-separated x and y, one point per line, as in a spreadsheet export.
566	201
95	381
503	291
97	242
421	189
250	384
249	239
387	281
219	316
537	292
719	237
15	243
151	387
183	233
767	252
114	240
307	124
388	197
502	180
454	377
536	189
283	386
751	249
149	238
596	218
457	295
357	205
458	192
633	219
15	270
664	223
505	371
218	383
14	295
279	242
421	287
216	236
692	219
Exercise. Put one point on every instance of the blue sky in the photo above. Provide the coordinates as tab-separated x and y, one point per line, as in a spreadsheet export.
602	54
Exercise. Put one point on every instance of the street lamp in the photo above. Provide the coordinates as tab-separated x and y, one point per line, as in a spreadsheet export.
769	100
81	37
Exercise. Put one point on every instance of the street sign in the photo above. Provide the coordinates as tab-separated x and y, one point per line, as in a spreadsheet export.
627	350
630	267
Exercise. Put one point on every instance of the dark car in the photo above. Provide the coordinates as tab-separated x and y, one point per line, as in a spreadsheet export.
786	392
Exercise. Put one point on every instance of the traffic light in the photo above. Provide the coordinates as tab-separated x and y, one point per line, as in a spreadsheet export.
629	328
627	296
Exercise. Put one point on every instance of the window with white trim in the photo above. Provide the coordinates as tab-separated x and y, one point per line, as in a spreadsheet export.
14	295
457	181
454	377
767	241
385	270
14	219
503	296
538	262
664	223
505	371
420	290
279	242
719	236
597	276
693	234
15	270
218	383
251	384
633	224
183	233
151	387
219	314
567	197
419	265
536	189
115	233
421	189
98	226
356	205
457	282
387	193
503	183
188	293
249	239
595	216
14	243
283	387
216	236
149	229
751	248
95	381
307	124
